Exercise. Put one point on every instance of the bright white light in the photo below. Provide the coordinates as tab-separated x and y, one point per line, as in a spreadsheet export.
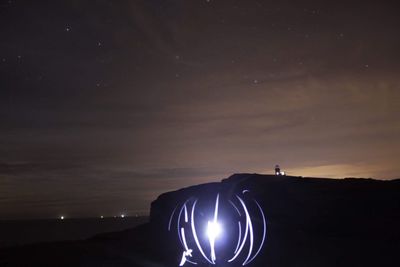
62	217
213	230
102	217
282	173
122	215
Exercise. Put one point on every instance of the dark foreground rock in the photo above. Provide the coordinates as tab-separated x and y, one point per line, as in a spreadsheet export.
311	222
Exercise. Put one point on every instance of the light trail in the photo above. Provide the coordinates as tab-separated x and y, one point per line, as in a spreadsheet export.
195	235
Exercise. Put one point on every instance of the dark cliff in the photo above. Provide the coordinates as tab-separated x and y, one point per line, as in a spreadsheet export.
310	222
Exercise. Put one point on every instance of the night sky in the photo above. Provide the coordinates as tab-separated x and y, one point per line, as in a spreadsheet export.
106	104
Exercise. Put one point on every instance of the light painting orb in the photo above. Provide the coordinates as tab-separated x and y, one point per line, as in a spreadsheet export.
234	229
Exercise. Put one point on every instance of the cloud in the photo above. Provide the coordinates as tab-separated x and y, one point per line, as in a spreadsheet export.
183	92
44	190
357	170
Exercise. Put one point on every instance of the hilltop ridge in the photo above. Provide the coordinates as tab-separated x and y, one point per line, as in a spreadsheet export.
310	222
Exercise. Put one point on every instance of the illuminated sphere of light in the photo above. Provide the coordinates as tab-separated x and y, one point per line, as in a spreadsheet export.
240	241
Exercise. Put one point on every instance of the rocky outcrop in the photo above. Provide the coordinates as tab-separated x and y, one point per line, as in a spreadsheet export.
310	222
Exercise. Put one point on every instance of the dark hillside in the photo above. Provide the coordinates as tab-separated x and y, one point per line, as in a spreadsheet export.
310	222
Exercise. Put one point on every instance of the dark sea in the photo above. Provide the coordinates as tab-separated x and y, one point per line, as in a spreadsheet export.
21	232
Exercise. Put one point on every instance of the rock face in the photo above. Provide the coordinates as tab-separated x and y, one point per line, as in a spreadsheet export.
310	222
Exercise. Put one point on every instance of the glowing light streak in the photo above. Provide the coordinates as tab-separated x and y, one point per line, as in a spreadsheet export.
264	233
233	205
187	252
186	214
179	220
170	218
250	227
195	235
184	259
240	236
189	260
184	239
213	230
245	232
